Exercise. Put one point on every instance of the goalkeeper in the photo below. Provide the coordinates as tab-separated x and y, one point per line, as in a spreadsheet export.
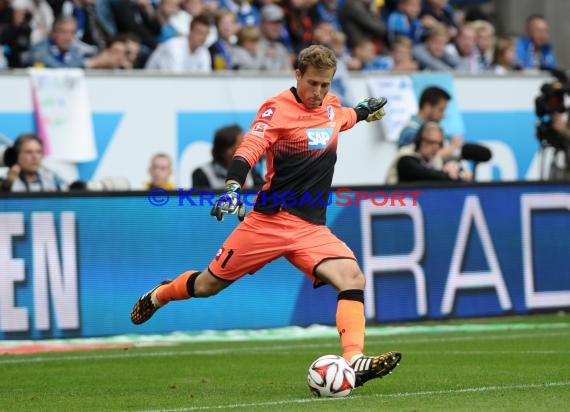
298	131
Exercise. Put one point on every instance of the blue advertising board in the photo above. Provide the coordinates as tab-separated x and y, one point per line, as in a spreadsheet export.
73	265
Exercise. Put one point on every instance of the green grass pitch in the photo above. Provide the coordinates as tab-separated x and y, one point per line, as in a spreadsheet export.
480	369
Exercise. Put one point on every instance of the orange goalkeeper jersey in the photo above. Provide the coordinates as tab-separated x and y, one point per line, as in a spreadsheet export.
301	153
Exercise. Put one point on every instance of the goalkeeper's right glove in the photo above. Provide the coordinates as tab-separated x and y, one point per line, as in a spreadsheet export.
229	202
373	107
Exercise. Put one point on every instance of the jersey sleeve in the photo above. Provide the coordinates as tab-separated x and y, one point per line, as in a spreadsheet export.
350	118
263	132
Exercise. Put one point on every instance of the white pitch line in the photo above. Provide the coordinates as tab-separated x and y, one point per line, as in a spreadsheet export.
292	345
380	396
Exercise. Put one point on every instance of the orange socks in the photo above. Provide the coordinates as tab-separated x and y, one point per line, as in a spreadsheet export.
175	290
350	322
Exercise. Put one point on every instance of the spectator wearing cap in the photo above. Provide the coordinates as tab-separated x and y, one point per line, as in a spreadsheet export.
275	56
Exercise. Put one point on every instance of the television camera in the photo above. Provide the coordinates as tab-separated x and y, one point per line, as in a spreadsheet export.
547	104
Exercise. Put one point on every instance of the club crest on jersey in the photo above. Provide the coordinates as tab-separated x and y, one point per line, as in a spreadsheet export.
318	138
258	129
330	111
268	113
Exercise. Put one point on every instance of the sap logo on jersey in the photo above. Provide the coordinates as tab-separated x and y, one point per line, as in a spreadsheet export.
319	138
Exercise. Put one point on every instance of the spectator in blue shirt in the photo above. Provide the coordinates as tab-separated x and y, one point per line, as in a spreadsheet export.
61	49
365	53
433	103
534	50
405	21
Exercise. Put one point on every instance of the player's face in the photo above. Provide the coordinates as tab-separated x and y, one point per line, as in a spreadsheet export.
313	86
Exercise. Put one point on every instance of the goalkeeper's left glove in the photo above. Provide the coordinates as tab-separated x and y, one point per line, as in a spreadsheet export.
229	202
373	107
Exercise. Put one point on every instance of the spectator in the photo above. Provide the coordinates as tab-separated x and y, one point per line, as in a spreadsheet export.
276	57
421	161
358	21
184	54
117	51
160	170
433	103
485	41
504	56
26	173
246	13
62	50
534	51
189	9
299	23
465	50
167	10
246	53
137	17
338	44
439	12
405	22
365	53
400	57
327	10
42	17
16	37
221	50
89	30
137	55
5	13
212	175
432	55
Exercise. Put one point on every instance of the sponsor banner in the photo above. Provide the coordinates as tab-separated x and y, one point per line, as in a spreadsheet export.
62	111
74	266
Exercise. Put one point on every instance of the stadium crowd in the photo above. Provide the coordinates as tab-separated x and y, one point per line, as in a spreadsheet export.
202	36
209	35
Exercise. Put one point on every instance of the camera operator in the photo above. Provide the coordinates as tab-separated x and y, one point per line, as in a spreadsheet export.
553	128
421	161
26	173
561	125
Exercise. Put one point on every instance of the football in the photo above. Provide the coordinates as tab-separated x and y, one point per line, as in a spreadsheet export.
330	376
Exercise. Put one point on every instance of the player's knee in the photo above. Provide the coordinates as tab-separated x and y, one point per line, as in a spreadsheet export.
360	280
356	279
207	285
204	290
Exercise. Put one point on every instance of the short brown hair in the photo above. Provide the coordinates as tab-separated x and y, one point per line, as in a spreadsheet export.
248	33
317	56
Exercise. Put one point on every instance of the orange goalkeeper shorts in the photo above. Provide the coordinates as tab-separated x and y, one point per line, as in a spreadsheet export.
262	238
